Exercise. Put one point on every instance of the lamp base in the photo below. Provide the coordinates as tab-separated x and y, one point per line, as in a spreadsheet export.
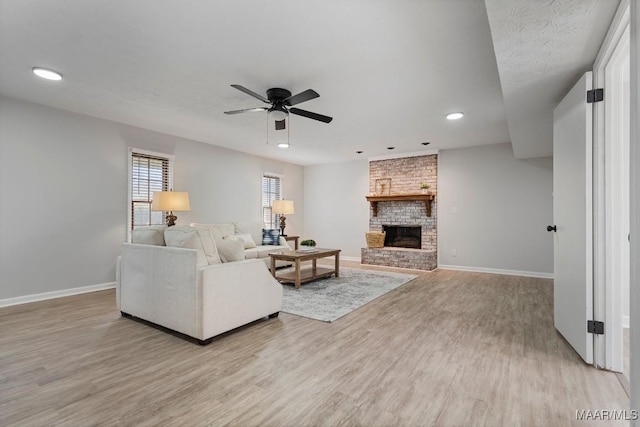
171	219
282	225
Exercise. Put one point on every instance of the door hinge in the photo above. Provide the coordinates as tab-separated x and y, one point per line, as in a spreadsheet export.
595	95
595	327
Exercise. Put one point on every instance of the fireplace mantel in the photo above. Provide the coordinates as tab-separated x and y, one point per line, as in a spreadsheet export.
426	198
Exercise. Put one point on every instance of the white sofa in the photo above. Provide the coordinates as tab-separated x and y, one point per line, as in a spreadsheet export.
189	289
254	247
248	233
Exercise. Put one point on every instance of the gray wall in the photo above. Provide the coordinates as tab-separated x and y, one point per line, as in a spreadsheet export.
336	211
63	193
503	207
63	199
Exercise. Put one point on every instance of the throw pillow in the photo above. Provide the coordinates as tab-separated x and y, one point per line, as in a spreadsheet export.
153	235
252	227
230	250
270	236
218	231
246	240
208	245
183	236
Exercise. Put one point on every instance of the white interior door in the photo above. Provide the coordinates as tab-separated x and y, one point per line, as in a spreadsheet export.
572	215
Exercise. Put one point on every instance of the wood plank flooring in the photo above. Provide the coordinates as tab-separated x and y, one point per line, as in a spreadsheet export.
447	349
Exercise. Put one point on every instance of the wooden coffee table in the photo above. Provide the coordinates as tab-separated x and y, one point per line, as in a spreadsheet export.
299	275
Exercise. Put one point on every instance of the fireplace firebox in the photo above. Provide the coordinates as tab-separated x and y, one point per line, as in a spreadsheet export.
403	236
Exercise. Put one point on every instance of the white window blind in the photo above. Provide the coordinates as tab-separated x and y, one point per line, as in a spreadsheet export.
271	190
149	173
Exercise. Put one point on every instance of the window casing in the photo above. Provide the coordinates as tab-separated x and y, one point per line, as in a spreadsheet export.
149	173
271	190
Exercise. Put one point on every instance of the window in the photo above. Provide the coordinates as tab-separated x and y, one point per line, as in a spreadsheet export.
149	173
271	190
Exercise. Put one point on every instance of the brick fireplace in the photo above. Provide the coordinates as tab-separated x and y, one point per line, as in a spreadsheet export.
398	202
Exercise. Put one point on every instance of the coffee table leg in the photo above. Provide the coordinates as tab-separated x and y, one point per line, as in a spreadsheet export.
297	274
273	267
337	268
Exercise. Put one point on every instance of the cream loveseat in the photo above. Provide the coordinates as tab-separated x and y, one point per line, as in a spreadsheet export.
187	287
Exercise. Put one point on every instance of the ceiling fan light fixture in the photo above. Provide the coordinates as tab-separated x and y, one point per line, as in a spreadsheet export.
277	114
47	74
283	145
455	116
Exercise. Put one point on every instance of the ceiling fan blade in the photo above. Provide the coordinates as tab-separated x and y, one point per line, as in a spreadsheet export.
247	110
310	115
251	93
301	97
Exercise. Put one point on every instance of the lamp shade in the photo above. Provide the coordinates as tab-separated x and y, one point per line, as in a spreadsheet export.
282	207
170	201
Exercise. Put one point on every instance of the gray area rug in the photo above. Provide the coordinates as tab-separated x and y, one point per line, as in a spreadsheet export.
331	298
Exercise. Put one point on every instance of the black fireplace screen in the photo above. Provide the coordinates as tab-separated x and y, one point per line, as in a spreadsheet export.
401	236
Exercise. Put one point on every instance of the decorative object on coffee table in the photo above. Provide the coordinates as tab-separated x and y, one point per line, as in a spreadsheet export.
307	245
282	208
169	201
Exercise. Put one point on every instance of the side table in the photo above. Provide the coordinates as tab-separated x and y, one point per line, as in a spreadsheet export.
294	238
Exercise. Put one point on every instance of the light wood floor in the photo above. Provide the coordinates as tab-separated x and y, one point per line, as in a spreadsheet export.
449	348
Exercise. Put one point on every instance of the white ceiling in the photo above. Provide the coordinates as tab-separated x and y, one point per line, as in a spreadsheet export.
387	71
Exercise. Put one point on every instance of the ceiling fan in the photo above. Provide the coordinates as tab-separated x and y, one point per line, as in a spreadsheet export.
281	100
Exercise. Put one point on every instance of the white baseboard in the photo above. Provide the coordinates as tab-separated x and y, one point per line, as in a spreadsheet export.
498	271
55	294
350	258
625	322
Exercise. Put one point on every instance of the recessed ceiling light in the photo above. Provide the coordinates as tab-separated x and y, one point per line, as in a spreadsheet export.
391	148
283	145
47	74
454	116
425	143
359	152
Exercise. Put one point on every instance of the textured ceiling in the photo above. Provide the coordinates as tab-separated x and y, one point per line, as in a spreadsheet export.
542	48
387	71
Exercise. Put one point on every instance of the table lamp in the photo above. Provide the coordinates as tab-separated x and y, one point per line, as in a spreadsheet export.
282	208
169	201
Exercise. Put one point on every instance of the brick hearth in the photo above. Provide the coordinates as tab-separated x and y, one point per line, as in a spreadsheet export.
400	257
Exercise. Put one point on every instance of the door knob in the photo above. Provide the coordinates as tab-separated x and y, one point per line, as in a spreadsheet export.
551	228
